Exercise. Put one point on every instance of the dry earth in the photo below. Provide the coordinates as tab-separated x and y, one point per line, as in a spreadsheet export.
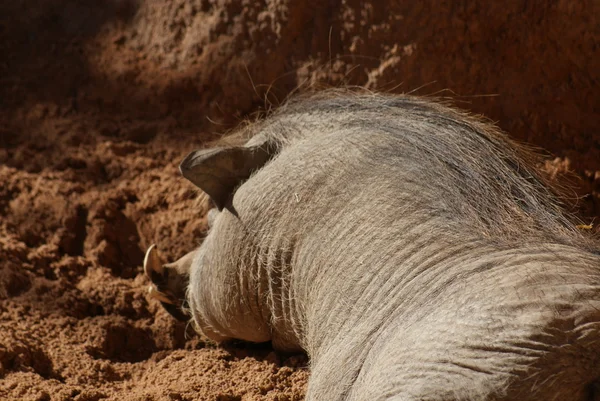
100	100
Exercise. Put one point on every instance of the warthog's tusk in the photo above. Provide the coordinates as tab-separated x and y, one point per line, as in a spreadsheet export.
155	270
152	262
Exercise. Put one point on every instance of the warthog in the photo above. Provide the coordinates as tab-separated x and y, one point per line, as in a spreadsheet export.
413	251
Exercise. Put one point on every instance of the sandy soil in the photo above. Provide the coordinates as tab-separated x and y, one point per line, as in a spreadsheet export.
99	101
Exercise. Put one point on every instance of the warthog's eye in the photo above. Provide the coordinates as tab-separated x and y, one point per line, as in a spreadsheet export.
211	216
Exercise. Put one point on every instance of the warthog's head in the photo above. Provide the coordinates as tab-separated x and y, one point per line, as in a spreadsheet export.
217	172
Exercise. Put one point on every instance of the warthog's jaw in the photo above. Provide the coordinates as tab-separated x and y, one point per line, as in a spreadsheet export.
168	282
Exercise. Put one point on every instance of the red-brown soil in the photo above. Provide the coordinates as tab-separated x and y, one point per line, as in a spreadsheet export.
99	101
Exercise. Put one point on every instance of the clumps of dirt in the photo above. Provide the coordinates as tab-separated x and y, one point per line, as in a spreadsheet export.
262	376
18	353
99	101
113	239
119	340
75	319
14	280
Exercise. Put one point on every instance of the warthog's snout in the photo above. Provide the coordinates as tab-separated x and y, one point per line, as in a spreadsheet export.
169	282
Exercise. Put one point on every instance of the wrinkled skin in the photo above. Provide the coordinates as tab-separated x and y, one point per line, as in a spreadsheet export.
411	250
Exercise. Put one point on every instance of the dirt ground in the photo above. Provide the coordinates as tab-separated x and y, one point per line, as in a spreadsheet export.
99	101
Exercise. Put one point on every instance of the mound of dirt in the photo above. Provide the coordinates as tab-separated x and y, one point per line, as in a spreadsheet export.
99	101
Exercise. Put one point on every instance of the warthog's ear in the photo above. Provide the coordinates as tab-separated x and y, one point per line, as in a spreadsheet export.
218	171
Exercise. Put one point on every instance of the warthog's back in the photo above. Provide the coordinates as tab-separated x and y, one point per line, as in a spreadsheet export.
420	160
